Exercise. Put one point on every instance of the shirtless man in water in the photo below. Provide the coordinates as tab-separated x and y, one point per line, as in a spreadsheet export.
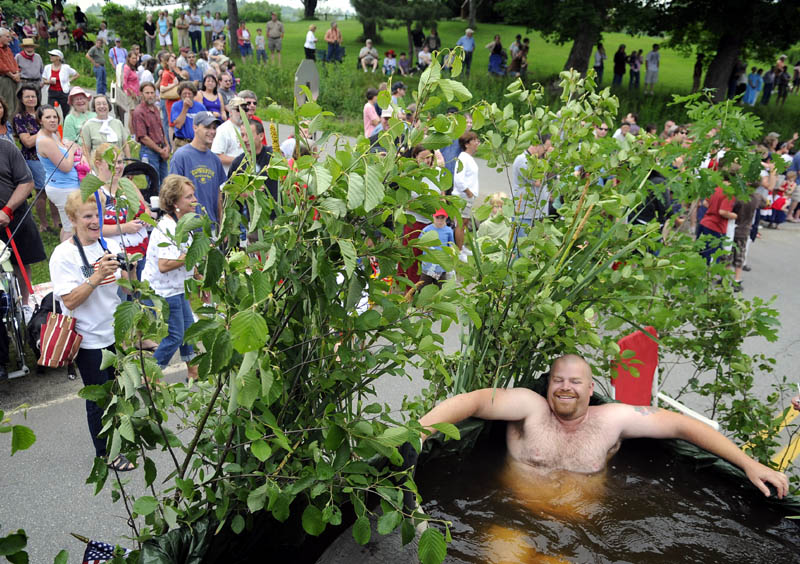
558	448
562	432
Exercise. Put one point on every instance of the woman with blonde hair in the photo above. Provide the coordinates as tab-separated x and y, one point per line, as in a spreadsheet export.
310	45
165	269
85	276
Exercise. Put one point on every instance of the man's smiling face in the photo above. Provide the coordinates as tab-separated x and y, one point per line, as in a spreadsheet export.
570	388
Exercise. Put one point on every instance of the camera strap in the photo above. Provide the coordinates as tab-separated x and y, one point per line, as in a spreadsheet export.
87	269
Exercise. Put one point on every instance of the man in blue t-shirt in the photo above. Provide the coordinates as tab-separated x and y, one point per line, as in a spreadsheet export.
196	162
183	112
468	43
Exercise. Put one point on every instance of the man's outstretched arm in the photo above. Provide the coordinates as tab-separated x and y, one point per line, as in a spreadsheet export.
488	403
652	422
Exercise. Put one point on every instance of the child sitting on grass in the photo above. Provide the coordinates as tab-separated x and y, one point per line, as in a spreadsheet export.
435	273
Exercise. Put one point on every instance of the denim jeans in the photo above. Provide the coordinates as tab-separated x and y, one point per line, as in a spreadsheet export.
147	155
261	55
165	120
100	78
197	40
88	363
633	81
179	320
37	171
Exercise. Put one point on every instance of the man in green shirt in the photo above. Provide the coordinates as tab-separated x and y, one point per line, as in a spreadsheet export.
98	58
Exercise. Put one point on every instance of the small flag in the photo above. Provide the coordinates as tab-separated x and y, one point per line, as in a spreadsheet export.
98	552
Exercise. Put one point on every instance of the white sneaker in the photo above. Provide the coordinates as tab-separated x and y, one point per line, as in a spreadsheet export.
27	313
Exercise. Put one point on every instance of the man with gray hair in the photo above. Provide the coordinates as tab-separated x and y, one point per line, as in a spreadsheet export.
252	102
9	69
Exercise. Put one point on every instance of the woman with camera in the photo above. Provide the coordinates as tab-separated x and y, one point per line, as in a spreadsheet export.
85	276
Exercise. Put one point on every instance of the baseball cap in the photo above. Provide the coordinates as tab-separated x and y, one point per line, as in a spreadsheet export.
57	53
440	212
205	119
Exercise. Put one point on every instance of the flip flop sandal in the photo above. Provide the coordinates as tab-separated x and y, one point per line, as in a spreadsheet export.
121	464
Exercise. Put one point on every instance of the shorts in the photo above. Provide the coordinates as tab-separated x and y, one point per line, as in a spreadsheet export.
165	40
739	249
59	198
274	44
29	242
651	77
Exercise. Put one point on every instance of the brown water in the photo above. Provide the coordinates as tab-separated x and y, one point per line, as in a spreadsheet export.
646	508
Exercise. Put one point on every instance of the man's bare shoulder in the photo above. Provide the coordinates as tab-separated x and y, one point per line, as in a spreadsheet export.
510	404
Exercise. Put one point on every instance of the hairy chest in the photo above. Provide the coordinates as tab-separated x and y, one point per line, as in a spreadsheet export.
545	444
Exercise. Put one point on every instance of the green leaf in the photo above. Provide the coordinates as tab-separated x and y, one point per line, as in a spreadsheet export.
237	524
126	428
407	531
93	393
108	359
13	543
150	471
432	547
221	352
214	266
248	331
388	522
89	185
348	255
355	191
22	438
261	450
448	430
124	316
312	520
145	505
324	178
197	250
61	558
257	498
362	530
374	188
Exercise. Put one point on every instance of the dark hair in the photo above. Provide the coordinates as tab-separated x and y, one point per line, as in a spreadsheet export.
187	84
203	83
42	109
417	150
464	140
258	126
150	64
650	128
22	89
6	116
94	100
371	93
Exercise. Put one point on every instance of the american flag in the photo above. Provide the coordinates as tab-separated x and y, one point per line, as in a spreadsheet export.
98	552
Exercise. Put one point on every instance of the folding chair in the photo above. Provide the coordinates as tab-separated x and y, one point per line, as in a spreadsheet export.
644	389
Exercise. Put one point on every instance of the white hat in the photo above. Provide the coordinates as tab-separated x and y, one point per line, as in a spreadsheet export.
387	113
57	53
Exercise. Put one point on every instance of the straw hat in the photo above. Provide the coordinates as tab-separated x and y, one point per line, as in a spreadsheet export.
29	42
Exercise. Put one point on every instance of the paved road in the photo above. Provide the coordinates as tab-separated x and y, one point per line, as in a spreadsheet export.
43	489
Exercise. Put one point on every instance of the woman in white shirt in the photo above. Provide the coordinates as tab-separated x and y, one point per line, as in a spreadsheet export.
57	76
85	276
165	269
465	180
311	43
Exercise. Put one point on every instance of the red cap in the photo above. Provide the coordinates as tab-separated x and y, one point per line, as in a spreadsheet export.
440	212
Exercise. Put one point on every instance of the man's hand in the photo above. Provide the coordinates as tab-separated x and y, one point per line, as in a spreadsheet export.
760	475
132	226
4	220
188	103
164	152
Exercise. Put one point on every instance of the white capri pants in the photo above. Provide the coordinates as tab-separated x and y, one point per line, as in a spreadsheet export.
59	198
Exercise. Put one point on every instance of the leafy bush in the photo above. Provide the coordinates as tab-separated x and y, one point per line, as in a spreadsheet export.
127	23
285	421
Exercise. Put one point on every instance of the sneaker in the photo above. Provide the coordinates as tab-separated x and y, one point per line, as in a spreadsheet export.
747	268
27	313
737	285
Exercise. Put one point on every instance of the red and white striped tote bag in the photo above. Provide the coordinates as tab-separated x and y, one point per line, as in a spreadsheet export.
59	341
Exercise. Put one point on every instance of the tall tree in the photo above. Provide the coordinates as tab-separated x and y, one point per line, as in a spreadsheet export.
760	29
309	7
396	13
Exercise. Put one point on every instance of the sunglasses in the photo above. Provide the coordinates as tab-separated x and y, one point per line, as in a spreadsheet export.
603	128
